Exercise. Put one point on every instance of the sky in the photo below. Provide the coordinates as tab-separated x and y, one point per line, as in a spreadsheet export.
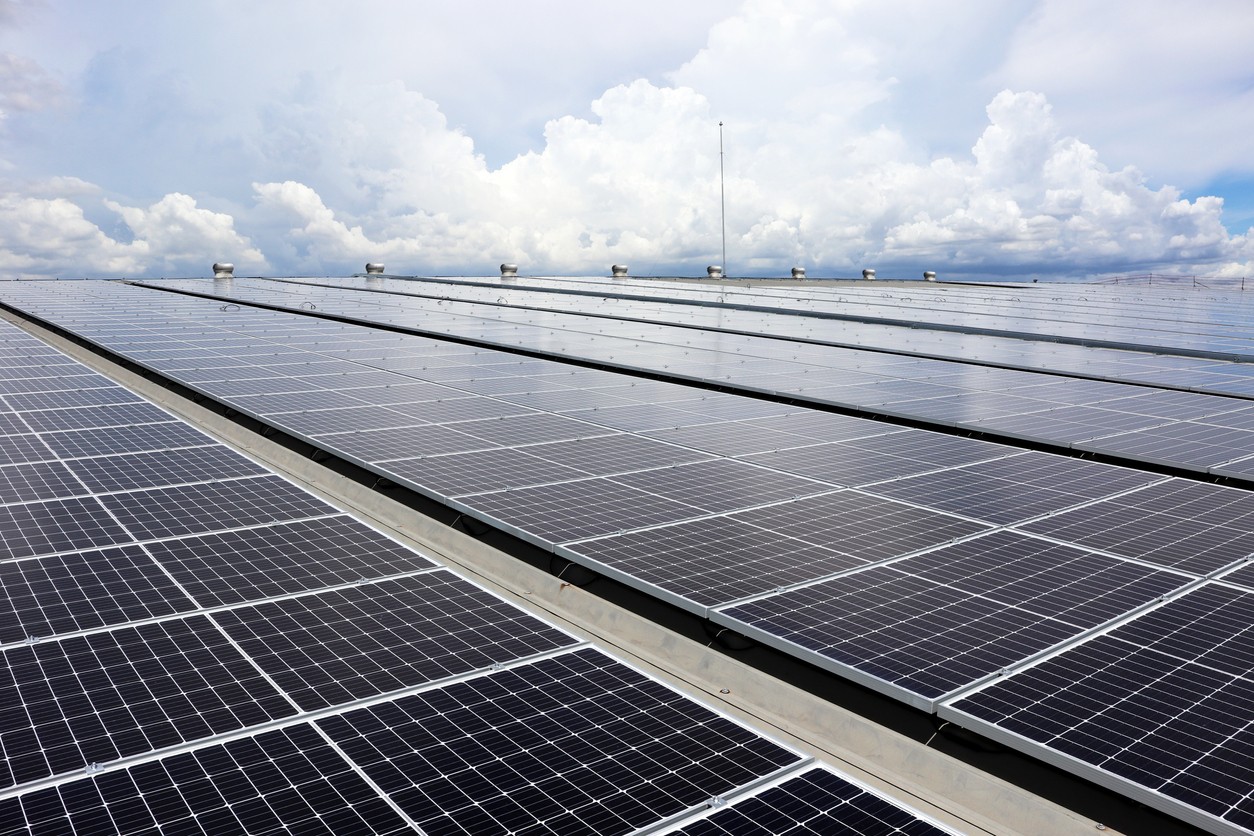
981	139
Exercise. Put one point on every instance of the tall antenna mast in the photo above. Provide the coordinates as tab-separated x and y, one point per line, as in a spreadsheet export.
722	195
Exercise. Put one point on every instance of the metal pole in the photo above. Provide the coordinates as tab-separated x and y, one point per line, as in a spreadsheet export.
722	197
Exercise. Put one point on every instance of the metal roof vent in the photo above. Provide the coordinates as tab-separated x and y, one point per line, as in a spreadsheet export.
868	274
509	269
714	271
929	275
374	268
798	272
223	270
618	271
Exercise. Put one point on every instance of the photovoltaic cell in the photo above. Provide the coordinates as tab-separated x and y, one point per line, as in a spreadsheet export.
289	780
87	417
575	743
15	449
85	590
235	566
343	645
95	698
722	485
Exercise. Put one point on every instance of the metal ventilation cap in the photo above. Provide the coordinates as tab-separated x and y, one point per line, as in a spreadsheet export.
618	270
223	270
798	272
868	274
374	267
929	275
509	269
714	271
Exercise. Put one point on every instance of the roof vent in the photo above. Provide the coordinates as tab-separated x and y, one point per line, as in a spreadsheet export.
798	272
929	275
374	268
618	270
714	271
868	274
223	270
509	269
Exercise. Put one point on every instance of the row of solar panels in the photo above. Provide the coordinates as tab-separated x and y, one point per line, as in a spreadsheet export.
949	573
1188	431
192	644
728	313
1206	324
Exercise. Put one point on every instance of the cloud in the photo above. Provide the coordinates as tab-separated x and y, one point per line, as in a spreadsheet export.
856	134
26	86
42	237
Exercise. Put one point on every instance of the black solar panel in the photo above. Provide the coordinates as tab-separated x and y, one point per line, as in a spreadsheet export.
289	780
338	646
105	474
816	803
115	440
1186	525
713	561
576	743
96	698
60	525
82	591
1013	489
576	510
215	506
1165	702
482	470
942	620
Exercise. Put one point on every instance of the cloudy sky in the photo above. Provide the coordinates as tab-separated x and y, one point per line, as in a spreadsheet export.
977	138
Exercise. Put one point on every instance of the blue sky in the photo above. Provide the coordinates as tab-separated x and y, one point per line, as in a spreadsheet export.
1038	138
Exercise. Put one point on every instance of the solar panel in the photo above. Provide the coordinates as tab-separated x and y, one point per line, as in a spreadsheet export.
212	506
575	743
925	626
1163	705
90	699
575	510
288	780
233	566
59	525
338	646
1187	525
83	591
106	474
1014	489
816	803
